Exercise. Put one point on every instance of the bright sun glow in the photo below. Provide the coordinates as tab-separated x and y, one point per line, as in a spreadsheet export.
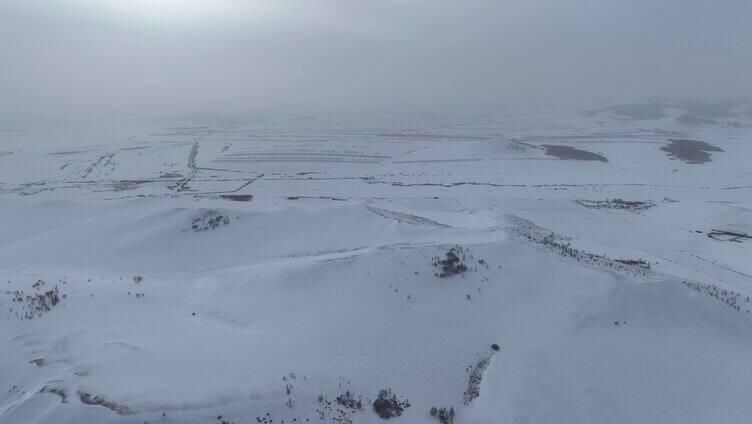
187	10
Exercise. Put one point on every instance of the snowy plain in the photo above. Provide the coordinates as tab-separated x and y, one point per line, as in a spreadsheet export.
239	271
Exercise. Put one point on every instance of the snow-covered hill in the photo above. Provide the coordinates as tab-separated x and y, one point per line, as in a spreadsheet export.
288	271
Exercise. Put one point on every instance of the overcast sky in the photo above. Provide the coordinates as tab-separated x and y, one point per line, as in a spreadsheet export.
108	58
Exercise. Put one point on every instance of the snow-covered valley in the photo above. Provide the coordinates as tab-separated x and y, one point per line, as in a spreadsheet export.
510	267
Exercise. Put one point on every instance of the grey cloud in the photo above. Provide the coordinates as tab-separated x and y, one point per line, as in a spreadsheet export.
83	58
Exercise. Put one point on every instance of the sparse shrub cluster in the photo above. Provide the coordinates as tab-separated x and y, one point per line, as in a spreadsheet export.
730	298
209	219
89	399
332	412
45	301
563	247
634	262
237	197
348	401
223	420
474	379
289	380
35	304
453	263
444	415
265	419
56	391
630	205
387	405
725	235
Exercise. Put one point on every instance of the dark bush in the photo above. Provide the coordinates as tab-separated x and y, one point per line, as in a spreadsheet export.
445	416
209	219
453	263
348	401
388	406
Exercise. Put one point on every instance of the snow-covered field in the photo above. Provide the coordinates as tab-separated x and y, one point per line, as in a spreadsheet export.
519	267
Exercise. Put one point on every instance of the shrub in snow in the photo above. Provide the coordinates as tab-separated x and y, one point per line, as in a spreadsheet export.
209	219
452	264
633	206
475	378
90	399
387	405
35	304
444	415
348	401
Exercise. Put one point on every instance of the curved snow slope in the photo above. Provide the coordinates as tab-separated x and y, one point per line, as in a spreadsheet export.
145	236
356	309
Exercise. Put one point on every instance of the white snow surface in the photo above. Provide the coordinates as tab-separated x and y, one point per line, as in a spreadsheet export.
137	289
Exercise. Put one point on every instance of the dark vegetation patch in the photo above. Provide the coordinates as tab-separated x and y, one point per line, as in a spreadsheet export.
182	186
237	197
171	175
135	148
332	412
223	420
453	263
630	205
265	419
634	262
689	151
292	389
569	152
338	199
405	217
289	380
124	185
89	399
475	377
69	152
343	409
56	391
730	298
30	306
725	235
209	219
388	405
562	246
444	415
349	401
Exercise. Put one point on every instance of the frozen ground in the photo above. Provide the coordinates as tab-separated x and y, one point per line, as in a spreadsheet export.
236	271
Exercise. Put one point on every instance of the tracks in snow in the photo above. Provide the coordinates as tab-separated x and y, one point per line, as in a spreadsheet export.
183	184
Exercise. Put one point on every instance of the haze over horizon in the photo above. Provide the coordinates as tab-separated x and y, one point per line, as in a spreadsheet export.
81	59
375	211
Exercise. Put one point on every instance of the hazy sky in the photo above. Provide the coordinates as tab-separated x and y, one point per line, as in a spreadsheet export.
102	58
